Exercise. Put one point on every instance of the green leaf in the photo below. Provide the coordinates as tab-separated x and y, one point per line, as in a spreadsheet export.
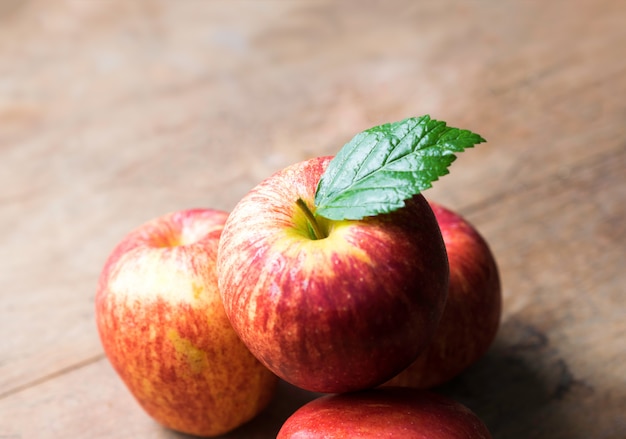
382	167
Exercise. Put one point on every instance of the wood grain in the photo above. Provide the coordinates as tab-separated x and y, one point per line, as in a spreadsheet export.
114	112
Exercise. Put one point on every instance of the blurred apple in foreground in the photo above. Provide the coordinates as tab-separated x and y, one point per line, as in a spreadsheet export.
163	327
400	413
339	312
471	315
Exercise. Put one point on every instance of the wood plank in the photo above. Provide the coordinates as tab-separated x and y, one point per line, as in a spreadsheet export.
556	369
114	112
84	164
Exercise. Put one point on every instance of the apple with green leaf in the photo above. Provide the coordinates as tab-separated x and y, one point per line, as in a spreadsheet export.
163	327
333	271
471	316
389	413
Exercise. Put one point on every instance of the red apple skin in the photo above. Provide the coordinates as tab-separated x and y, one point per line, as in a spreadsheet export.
400	413
163	327
338	314
472	312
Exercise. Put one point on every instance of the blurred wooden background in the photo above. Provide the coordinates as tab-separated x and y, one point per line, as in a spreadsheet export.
113	112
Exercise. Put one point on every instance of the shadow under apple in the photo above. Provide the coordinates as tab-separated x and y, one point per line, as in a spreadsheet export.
518	387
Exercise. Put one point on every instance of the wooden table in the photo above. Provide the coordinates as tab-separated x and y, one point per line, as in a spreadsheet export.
114	112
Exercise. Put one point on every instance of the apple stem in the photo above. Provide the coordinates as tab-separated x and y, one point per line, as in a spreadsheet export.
315	227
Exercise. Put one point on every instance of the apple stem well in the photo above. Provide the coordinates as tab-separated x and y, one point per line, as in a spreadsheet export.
314	227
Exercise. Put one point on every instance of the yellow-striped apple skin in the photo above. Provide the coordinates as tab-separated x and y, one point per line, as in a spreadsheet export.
163	327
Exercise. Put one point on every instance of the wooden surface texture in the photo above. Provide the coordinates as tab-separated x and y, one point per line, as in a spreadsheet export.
113	112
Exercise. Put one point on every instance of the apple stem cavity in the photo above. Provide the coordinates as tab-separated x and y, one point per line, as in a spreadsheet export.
314	227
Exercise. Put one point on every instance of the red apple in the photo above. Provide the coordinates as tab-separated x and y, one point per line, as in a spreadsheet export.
163	327
400	413
471	316
345	312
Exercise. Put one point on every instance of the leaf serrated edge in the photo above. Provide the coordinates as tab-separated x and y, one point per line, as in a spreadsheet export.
449	145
